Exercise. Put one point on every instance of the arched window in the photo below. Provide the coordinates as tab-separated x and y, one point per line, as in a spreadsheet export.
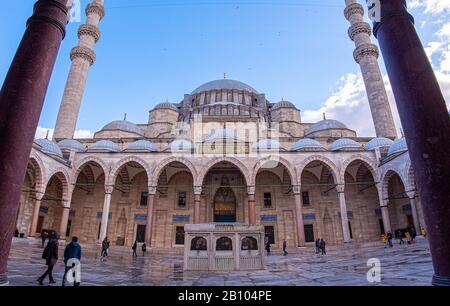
224	244
199	244
249	243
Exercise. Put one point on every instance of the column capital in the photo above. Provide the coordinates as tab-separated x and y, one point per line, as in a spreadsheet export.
109	189
412	194
251	190
39	196
352	9
340	188
152	190
95	8
297	189
197	190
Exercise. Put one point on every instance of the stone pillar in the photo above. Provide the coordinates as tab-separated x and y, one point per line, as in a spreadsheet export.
425	120
412	201
386	218
299	216
105	212
63	224
150	206
21	99
251	205
35	218
82	58
197	195
366	55
344	215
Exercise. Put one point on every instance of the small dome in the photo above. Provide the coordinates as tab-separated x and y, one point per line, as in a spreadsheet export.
180	145
306	144
398	146
283	104
224	84
49	147
326	125
378	142
142	145
71	145
344	144
267	144
166	105
123	125
104	145
222	134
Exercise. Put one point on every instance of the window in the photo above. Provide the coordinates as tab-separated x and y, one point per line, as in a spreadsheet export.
267	200
179	235
270	234
144	198
309	233
199	244
305	198
249	243
224	244
182	199
140	233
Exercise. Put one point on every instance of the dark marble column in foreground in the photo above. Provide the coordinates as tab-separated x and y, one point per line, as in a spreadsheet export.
425	120
21	100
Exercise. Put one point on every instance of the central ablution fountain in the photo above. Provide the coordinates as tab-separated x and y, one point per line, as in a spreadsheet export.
223	247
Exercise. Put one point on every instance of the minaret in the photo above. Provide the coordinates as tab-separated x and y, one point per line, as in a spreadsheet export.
82	57
366	55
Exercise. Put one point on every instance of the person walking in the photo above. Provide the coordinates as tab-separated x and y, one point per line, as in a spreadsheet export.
144	249
134	248
285	248
72	251
408	237
50	255
105	246
322	247
318	246
43	238
268	248
423	231
389	239
399	235
384	239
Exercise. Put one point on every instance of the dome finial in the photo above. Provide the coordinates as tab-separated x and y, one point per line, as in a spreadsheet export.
125	117
46	136
401	132
225	76
324	116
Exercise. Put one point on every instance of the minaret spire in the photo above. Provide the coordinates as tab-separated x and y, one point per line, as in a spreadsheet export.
366	55
82	56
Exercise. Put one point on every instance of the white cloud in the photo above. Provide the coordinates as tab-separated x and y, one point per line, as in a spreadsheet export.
41	132
431	6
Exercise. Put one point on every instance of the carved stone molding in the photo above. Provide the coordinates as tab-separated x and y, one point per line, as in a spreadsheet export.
352	9
84	53
90	30
95	8
366	50
358	28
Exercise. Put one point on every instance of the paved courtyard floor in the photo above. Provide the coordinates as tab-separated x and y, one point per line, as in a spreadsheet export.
406	265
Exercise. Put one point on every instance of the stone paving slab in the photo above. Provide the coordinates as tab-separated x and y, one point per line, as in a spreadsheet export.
405	265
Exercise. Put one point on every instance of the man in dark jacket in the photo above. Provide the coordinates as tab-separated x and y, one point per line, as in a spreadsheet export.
50	255
285	248
72	251
134	248
322	247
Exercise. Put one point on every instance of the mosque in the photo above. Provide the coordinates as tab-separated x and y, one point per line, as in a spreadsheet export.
224	154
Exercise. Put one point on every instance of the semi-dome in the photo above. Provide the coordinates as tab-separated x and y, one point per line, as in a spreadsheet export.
142	145
326	125
105	145
306	144
398	146
49	147
267	144
222	134
71	145
378	142
166	105
344	144
283	104
224	84
123	125
180	145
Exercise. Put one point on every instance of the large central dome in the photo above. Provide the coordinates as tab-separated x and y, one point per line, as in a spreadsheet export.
224	84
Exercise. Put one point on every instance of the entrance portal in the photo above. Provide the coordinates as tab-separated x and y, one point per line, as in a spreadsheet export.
225	205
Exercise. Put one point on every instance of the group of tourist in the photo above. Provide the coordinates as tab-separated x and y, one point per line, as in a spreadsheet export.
408	233
320	246
50	254
134	248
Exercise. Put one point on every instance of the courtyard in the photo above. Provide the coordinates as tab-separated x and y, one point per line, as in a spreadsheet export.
405	265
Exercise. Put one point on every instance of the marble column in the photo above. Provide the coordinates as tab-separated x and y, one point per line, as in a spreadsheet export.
63	224
412	201
344	215
251	205
299	216
35	218
21	100
386	218
105	212
197	198
150	213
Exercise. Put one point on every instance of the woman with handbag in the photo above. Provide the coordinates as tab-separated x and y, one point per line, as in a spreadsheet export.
50	255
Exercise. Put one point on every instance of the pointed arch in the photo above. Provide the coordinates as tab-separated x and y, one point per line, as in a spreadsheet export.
234	161
64	177
324	160
118	167
287	165
365	160
153	181
39	172
78	167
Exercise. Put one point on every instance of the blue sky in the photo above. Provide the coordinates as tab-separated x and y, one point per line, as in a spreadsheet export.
153	50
